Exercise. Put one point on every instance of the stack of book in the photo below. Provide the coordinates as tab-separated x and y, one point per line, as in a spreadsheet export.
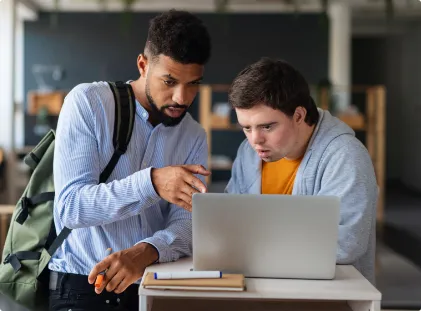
226	282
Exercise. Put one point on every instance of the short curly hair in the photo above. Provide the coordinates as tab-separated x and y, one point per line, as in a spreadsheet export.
179	35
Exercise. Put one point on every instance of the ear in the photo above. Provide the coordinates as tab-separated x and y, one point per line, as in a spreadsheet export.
300	115
142	64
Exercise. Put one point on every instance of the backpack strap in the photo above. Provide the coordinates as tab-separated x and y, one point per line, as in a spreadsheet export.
16	258
26	203
125	108
58	240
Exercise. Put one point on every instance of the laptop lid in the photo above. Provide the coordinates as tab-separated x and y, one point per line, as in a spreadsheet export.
279	236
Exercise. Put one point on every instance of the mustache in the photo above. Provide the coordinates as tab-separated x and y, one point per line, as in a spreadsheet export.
175	106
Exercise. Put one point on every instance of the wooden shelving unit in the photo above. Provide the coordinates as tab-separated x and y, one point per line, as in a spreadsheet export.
372	123
53	101
207	119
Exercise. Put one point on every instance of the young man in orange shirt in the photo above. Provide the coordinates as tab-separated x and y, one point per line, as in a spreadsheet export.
294	148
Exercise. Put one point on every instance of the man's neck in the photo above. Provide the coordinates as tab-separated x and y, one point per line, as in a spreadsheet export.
139	92
302	145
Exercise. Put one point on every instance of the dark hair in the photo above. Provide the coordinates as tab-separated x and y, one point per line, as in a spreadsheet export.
179	35
274	83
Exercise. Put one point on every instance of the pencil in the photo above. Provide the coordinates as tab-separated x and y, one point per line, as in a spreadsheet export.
100	276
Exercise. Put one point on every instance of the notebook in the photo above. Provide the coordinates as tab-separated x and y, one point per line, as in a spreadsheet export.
228	282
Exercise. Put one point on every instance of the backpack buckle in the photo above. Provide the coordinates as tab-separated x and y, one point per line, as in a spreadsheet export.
14	261
25	203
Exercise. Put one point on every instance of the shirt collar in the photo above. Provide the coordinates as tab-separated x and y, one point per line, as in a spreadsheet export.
141	112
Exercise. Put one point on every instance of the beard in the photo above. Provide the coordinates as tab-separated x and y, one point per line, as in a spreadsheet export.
159	113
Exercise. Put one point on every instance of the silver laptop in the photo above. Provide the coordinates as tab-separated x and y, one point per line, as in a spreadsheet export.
267	236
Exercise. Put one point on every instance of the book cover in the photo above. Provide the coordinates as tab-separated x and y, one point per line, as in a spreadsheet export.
231	282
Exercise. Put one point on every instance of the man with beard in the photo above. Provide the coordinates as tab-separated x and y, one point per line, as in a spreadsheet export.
142	212
294	148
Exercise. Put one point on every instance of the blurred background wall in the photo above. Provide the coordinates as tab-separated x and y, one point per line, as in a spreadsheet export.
48	47
92	47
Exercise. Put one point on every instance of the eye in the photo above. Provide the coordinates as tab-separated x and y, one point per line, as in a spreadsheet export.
267	127
169	82
196	83
246	129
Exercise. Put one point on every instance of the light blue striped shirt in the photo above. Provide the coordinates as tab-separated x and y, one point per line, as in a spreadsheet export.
126	209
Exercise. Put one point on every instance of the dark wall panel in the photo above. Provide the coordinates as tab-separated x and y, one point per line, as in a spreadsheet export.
92	47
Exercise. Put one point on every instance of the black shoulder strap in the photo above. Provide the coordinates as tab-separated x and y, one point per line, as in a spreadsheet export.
125	108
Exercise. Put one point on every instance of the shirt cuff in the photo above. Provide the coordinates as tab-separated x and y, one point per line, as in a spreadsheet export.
164	251
146	190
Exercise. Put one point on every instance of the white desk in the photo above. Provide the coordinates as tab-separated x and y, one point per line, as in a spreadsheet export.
348	291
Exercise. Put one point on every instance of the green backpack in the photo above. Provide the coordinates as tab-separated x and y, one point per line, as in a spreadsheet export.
31	240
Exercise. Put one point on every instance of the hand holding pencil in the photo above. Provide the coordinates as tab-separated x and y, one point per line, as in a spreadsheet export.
100	277
119	270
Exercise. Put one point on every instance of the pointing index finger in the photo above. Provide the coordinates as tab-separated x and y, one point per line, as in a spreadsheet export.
195	182
197	169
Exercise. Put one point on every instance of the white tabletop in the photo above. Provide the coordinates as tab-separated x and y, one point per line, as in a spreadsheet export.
348	284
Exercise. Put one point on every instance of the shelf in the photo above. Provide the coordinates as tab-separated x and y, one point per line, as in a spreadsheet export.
223	123
231	127
356	122
6	209
53	101
221	167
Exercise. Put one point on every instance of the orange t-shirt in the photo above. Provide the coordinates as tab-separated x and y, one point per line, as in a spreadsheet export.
278	177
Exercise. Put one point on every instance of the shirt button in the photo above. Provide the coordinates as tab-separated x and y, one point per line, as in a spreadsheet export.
144	114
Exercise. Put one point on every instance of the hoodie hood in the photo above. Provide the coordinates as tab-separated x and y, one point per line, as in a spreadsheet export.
329	136
327	129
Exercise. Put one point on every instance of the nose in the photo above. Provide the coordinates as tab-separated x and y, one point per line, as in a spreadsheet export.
257	137
180	95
